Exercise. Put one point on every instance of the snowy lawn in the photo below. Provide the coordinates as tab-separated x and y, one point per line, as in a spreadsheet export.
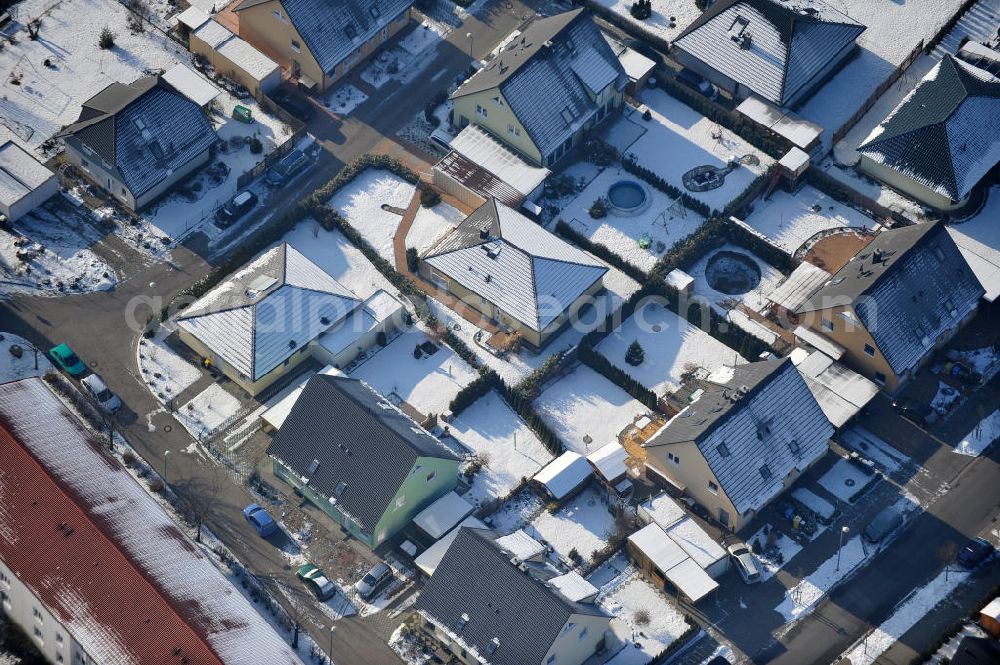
345	98
61	259
982	435
583	524
802	598
921	602
865	443
789	220
165	372
755	298
978	238
669	17
843	480
361	202
769	557
647	620
428	33
13	368
586	410
818	505
663	223
506	446
335	254
431	224
516	512
203	414
428	383
673	347
677	139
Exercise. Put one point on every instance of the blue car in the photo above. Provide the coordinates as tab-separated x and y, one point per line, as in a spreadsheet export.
262	523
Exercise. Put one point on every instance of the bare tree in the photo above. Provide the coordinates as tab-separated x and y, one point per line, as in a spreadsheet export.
946	554
199	497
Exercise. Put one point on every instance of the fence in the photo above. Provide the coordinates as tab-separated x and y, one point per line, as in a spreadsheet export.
878	92
238	424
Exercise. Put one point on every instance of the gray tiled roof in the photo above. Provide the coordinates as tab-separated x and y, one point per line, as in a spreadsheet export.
334	30
753	430
944	134
907	286
358	438
268	311
790	42
514	263
476	578
146	129
549	74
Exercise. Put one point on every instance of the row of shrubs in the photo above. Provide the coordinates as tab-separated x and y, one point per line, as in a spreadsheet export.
599	250
678	644
600	364
654	179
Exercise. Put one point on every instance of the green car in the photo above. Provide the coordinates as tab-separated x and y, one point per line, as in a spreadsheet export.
67	360
317	581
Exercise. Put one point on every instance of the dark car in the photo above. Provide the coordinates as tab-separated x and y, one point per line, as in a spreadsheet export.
295	105
316	581
238	206
697	82
975	552
883	524
912	412
286	168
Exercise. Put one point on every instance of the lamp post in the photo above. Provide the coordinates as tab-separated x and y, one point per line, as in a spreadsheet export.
333	627
844	529
165	453
471	39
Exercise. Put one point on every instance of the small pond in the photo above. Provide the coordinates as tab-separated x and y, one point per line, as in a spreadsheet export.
732	273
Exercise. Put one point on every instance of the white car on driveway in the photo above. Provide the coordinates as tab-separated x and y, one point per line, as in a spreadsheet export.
745	562
106	400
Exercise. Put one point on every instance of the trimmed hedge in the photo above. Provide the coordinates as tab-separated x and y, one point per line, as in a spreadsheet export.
654	179
600	250
762	248
529	387
600	364
525	408
483	384
677	644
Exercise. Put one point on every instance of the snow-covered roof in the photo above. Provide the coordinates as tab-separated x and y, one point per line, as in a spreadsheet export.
550	76
840	392
670	558
67	505
573	587
795	160
609	461
521	545
820	341
276	409
191	84
800	132
696	542
430	559
983	260
444	514
268	311
804	281
661	509
635	64
775	48
564	474
992	609
680	280
213	33
193	17
20	173
514	263
246	57
376	309
944	134
476	145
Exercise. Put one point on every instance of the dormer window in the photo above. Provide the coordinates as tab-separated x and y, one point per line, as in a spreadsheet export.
350	31
765	472
373	10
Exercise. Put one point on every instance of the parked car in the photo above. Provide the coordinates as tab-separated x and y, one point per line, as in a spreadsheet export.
374	579
697	82
106	400
317	581
262	523
975	552
911	412
745	562
883	524
238	206
67	360
286	168
295	105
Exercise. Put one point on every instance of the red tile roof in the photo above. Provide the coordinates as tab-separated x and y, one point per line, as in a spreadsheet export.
81	575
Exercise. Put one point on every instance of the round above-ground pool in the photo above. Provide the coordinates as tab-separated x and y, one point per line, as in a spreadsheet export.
732	273
627	196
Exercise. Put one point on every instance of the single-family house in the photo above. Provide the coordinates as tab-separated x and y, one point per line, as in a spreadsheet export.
24	182
360	459
92	568
742	442
779	50
903	296
137	140
484	605
317	41
942	139
514	272
545	88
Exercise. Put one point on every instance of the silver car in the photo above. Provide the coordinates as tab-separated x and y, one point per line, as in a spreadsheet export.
373	580
106	400
745	562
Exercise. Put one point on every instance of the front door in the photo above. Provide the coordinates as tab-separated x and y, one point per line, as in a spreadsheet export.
296	69
723	517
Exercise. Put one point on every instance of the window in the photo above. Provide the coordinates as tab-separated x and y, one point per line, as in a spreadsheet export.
713	488
59	658
513	131
583	632
59	638
124	192
938	252
551	659
278	15
880	378
765	472
723	517
38	632
793	445
296	46
949	305
431	475
826	324
35	613
674	458
723	449
498	102
870	350
3	578
480	111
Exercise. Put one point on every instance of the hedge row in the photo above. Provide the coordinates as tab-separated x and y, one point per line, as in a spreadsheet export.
467	396
530	386
654	179
677	644
740	235
600	364
600	250
525	408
